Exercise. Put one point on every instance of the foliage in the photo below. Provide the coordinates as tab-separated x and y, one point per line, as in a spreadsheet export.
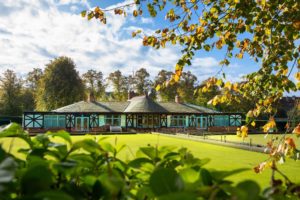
266	31
94	83
141	81
33	78
91	169
10	93
119	83
60	85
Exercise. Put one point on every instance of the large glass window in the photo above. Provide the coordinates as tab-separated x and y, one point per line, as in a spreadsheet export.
113	120
178	120
147	121
54	121
221	120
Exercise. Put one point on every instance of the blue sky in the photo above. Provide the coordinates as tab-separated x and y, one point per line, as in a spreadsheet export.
36	31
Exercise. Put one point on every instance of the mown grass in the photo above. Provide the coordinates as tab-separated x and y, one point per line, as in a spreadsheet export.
222	158
260	139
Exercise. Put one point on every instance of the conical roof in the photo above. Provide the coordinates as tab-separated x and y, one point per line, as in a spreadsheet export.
144	104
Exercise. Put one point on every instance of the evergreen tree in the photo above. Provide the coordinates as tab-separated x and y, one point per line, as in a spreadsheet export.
60	85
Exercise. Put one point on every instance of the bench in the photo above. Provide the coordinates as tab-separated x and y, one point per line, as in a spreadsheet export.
115	129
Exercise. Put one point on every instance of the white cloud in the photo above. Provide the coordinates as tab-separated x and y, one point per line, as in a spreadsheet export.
40	31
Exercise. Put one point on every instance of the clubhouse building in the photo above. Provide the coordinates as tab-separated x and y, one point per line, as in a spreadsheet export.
138	114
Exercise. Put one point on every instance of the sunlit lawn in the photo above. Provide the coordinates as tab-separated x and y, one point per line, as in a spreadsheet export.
260	139
222	158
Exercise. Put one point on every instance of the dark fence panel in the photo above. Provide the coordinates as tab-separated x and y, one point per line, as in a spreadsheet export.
7	119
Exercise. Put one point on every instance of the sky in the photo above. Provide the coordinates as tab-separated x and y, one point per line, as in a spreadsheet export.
33	32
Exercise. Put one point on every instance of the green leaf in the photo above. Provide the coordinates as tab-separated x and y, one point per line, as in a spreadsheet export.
251	190
151	152
189	175
139	162
220	175
165	181
83	13
179	196
37	178
86	144
53	195
62	134
106	146
206	177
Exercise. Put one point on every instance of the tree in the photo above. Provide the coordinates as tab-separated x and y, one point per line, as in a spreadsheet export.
267	31
94	82
186	87
33	78
168	91
60	85
10	93
142	81
119	84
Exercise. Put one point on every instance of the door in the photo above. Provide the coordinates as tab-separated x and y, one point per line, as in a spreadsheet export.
82	124
201	122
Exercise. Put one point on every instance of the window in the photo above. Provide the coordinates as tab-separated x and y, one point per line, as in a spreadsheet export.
147	121
178	120
55	121
113	120
221	120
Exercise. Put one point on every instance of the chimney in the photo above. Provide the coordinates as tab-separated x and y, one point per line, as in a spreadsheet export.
91	97
130	95
177	99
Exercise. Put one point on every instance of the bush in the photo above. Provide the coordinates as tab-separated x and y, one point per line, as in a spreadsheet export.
91	169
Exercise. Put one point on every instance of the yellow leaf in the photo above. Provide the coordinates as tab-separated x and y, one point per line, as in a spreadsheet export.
176	78
219	44
240	55
157	87
270	126
244	130
297	76
135	13
285	71
228	85
253	123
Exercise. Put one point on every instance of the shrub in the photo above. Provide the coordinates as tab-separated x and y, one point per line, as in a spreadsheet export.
91	169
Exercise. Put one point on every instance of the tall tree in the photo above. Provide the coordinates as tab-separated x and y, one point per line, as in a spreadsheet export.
94	82
30	90
119	84
33	78
169	91
60	85
142	81
186	87
10	93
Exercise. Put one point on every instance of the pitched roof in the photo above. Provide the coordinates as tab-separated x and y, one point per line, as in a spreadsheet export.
143	104
140	104
84	106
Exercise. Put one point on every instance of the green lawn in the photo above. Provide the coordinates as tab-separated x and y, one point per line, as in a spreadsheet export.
261	139
222	158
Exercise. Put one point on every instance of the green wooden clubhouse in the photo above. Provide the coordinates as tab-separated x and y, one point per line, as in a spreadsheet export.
137	114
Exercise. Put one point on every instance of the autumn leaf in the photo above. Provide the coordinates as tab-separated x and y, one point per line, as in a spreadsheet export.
157	88
297	130
244	131
290	141
297	76
253	123
83	13
135	13
271	125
